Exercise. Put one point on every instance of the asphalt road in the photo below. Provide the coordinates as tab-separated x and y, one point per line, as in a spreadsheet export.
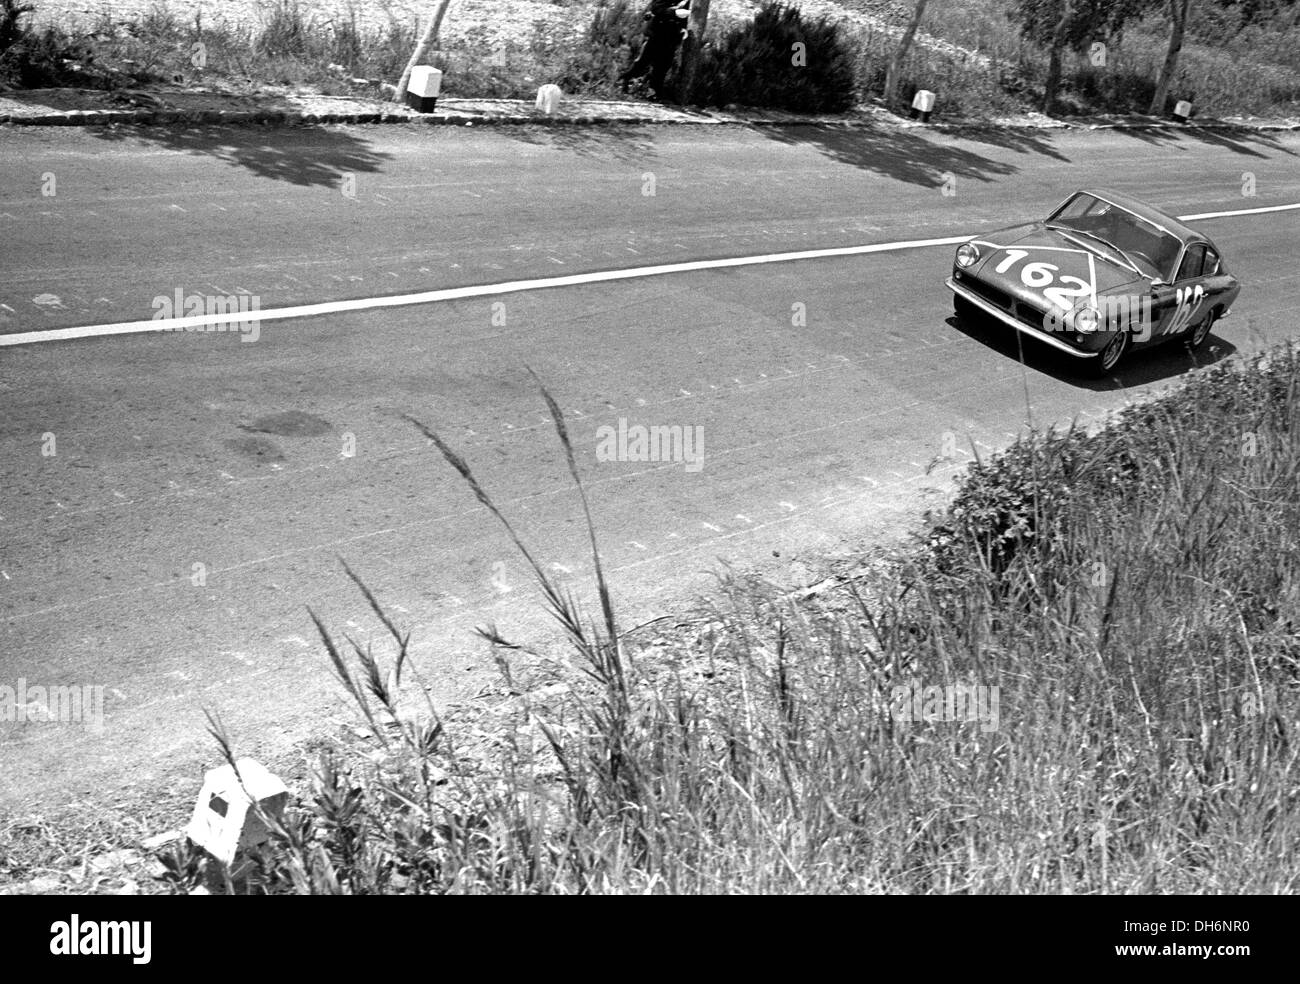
204	488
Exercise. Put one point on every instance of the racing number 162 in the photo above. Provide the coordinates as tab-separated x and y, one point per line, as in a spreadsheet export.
1045	276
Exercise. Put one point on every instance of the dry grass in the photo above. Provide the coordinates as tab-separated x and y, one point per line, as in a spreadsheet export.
1134	595
976	62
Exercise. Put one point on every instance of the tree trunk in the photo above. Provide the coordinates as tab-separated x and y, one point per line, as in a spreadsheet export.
421	49
691	46
1178	19
900	53
1053	82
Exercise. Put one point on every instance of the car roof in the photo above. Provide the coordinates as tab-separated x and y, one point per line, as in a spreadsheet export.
1149	212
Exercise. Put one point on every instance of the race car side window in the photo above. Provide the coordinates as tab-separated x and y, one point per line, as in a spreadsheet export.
1211	267
1191	265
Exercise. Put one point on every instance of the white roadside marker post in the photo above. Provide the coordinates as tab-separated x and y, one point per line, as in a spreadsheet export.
923	105
225	821
548	98
422	92
1182	111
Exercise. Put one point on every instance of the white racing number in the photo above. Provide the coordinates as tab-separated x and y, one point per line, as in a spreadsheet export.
1187	299
1059	288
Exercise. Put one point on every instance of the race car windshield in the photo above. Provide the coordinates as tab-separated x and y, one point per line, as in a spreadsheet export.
1140	242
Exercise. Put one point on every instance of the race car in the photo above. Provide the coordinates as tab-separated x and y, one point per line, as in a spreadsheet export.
1103	275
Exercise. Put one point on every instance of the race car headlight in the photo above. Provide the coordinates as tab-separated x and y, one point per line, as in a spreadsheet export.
1087	320
967	254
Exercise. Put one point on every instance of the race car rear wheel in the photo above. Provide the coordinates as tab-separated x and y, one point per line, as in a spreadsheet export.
1202	331
1105	361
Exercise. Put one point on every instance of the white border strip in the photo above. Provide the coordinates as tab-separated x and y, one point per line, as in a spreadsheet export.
509	287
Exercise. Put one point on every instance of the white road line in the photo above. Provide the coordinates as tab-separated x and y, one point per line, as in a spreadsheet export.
514	287
1240	211
459	293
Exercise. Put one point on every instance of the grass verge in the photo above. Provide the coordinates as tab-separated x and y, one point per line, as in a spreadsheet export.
972	56
1128	601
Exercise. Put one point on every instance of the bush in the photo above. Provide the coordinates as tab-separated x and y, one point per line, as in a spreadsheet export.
33	59
286	32
761	63
1119	89
10	30
615	31
1028	503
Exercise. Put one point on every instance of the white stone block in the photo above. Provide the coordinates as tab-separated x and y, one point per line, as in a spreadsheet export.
423	88
224	820
426	82
548	98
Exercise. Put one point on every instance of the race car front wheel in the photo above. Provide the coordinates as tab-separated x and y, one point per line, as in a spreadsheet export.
1105	361
966	312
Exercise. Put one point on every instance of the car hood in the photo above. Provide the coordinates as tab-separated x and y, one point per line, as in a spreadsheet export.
1067	261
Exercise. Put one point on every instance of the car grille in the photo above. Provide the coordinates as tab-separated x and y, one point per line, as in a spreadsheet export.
992	294
1027	314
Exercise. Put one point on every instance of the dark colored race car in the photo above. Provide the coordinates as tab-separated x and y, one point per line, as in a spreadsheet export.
1103	275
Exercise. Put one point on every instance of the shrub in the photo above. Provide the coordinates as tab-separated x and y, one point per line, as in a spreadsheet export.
10	30
779	60
33	59
286	31
1117	89
1023	503
612	37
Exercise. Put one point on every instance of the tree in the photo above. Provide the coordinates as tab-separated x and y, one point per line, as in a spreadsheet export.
1059	34
422	48
900	53
1177	27
11	11
1071	25
691	47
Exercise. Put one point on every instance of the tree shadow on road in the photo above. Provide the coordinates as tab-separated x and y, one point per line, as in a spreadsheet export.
898	154
1248	143
1165	361
626	144
1020	140
300	155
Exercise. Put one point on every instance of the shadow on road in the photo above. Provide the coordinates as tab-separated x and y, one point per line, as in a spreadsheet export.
626	144
1251	144
1021	141
305	155
1151	365
897	154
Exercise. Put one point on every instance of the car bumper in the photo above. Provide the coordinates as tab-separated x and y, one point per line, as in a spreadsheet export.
1019	326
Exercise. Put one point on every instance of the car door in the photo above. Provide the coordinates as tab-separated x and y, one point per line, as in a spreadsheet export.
1180	305
1218	281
